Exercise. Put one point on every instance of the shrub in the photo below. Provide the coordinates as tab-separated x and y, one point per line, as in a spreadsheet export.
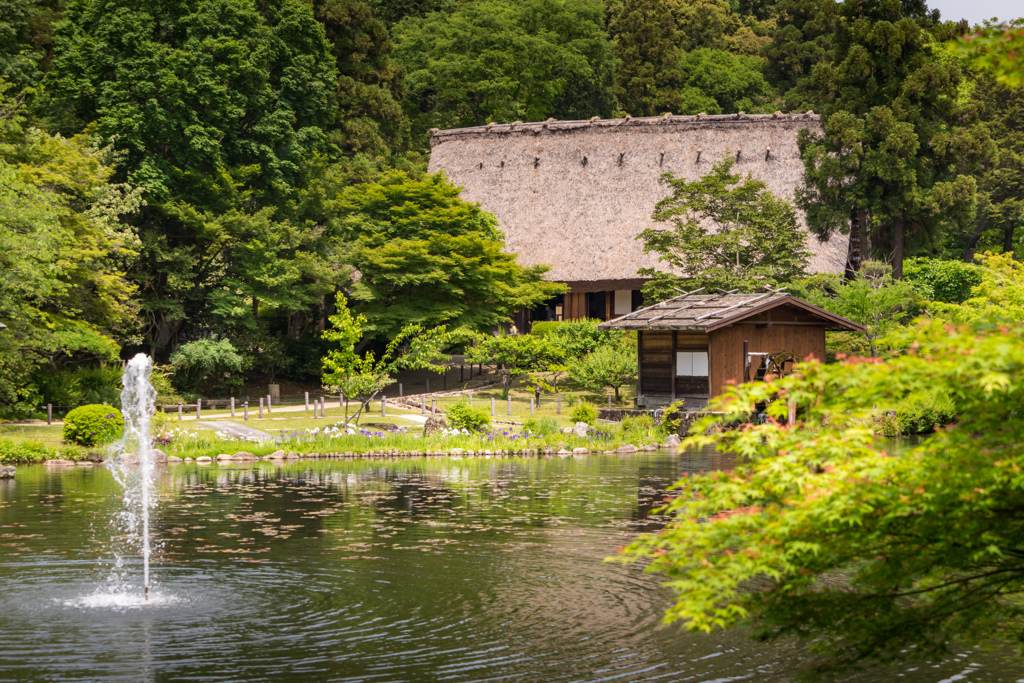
947	281
542	426
12	452
635	423
79	385
464	416
93	424
583	412
917	416
207	365
576	338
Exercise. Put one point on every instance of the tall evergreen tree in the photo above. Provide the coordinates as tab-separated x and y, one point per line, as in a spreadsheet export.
899	148
648	78
803	39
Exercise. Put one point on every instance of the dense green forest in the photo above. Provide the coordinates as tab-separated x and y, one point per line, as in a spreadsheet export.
225	169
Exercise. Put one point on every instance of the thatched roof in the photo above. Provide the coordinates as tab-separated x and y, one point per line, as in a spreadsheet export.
709	312
575	194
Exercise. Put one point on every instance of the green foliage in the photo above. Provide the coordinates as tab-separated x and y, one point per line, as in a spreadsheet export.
899	144
207	366
497	61
74	386
427	257
518	355
918	415
803	38
637	423
998	297
543	426
871	552
672	417
92	425
63	250
610	365
464	416
840	345
577	337
874	300
13	453
726	232
946	281
996	49
363	377
583	412
718	82
648	77
212	108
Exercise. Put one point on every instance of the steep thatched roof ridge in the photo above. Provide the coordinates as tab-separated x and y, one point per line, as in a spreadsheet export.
709	312
554	125
575	194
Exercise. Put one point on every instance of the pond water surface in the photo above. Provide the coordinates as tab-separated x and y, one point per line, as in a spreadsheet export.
405	570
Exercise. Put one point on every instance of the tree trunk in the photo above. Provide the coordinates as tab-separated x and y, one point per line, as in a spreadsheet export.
855	250
897	248
1008	231
980	225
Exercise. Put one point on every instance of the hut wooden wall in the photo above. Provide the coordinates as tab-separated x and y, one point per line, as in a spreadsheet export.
575	306
657	366
726	358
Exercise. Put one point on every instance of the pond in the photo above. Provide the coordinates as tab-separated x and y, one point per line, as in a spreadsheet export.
405	570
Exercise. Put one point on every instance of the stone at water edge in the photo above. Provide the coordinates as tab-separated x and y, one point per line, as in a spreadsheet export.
94	457
581	451
204	459
158	455
222	457
294	456
277	455
673	441
649	447
434	425
189	459
628	448
129	459
7	472
173	459
244	455
563	452
580	429
59	462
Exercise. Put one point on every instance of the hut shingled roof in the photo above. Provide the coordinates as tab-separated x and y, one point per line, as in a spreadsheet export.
709	312
575	194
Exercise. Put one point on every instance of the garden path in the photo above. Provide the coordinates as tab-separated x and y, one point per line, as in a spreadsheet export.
236	430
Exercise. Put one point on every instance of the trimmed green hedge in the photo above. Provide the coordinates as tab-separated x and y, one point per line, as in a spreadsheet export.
93	424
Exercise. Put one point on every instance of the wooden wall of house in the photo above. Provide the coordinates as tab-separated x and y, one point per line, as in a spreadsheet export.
575	306
726	359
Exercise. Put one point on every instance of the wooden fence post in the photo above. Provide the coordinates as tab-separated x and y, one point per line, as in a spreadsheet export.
558	410
49	413
531	406
245	407
199	408
307	401
492	406
792	413
508	410
268	405
261	408
433	406
179	412
232	406
383	407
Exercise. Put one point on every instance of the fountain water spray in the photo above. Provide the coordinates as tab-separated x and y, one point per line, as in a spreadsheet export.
138	402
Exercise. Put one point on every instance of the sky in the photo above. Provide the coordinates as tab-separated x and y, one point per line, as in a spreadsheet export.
975	11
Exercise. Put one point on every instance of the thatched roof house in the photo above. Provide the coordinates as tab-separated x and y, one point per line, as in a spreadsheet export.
692	346
575	194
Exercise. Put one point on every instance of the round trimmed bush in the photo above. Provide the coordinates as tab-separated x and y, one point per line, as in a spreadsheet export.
93	424
463	416
584	412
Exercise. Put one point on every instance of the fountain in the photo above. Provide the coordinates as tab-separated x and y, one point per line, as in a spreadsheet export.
133	462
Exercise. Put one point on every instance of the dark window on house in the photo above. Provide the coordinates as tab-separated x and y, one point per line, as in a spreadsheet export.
597	305
638	299
549	310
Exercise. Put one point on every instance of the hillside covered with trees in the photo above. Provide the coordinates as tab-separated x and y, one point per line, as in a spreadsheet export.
227	170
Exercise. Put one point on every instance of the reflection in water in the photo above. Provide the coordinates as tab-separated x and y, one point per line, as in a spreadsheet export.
415	570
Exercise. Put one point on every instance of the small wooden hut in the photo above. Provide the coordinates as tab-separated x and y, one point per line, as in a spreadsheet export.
690	347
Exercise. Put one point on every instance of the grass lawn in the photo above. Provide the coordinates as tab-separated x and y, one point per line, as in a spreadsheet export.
49	434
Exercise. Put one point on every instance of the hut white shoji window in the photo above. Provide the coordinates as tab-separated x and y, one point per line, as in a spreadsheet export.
692	363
